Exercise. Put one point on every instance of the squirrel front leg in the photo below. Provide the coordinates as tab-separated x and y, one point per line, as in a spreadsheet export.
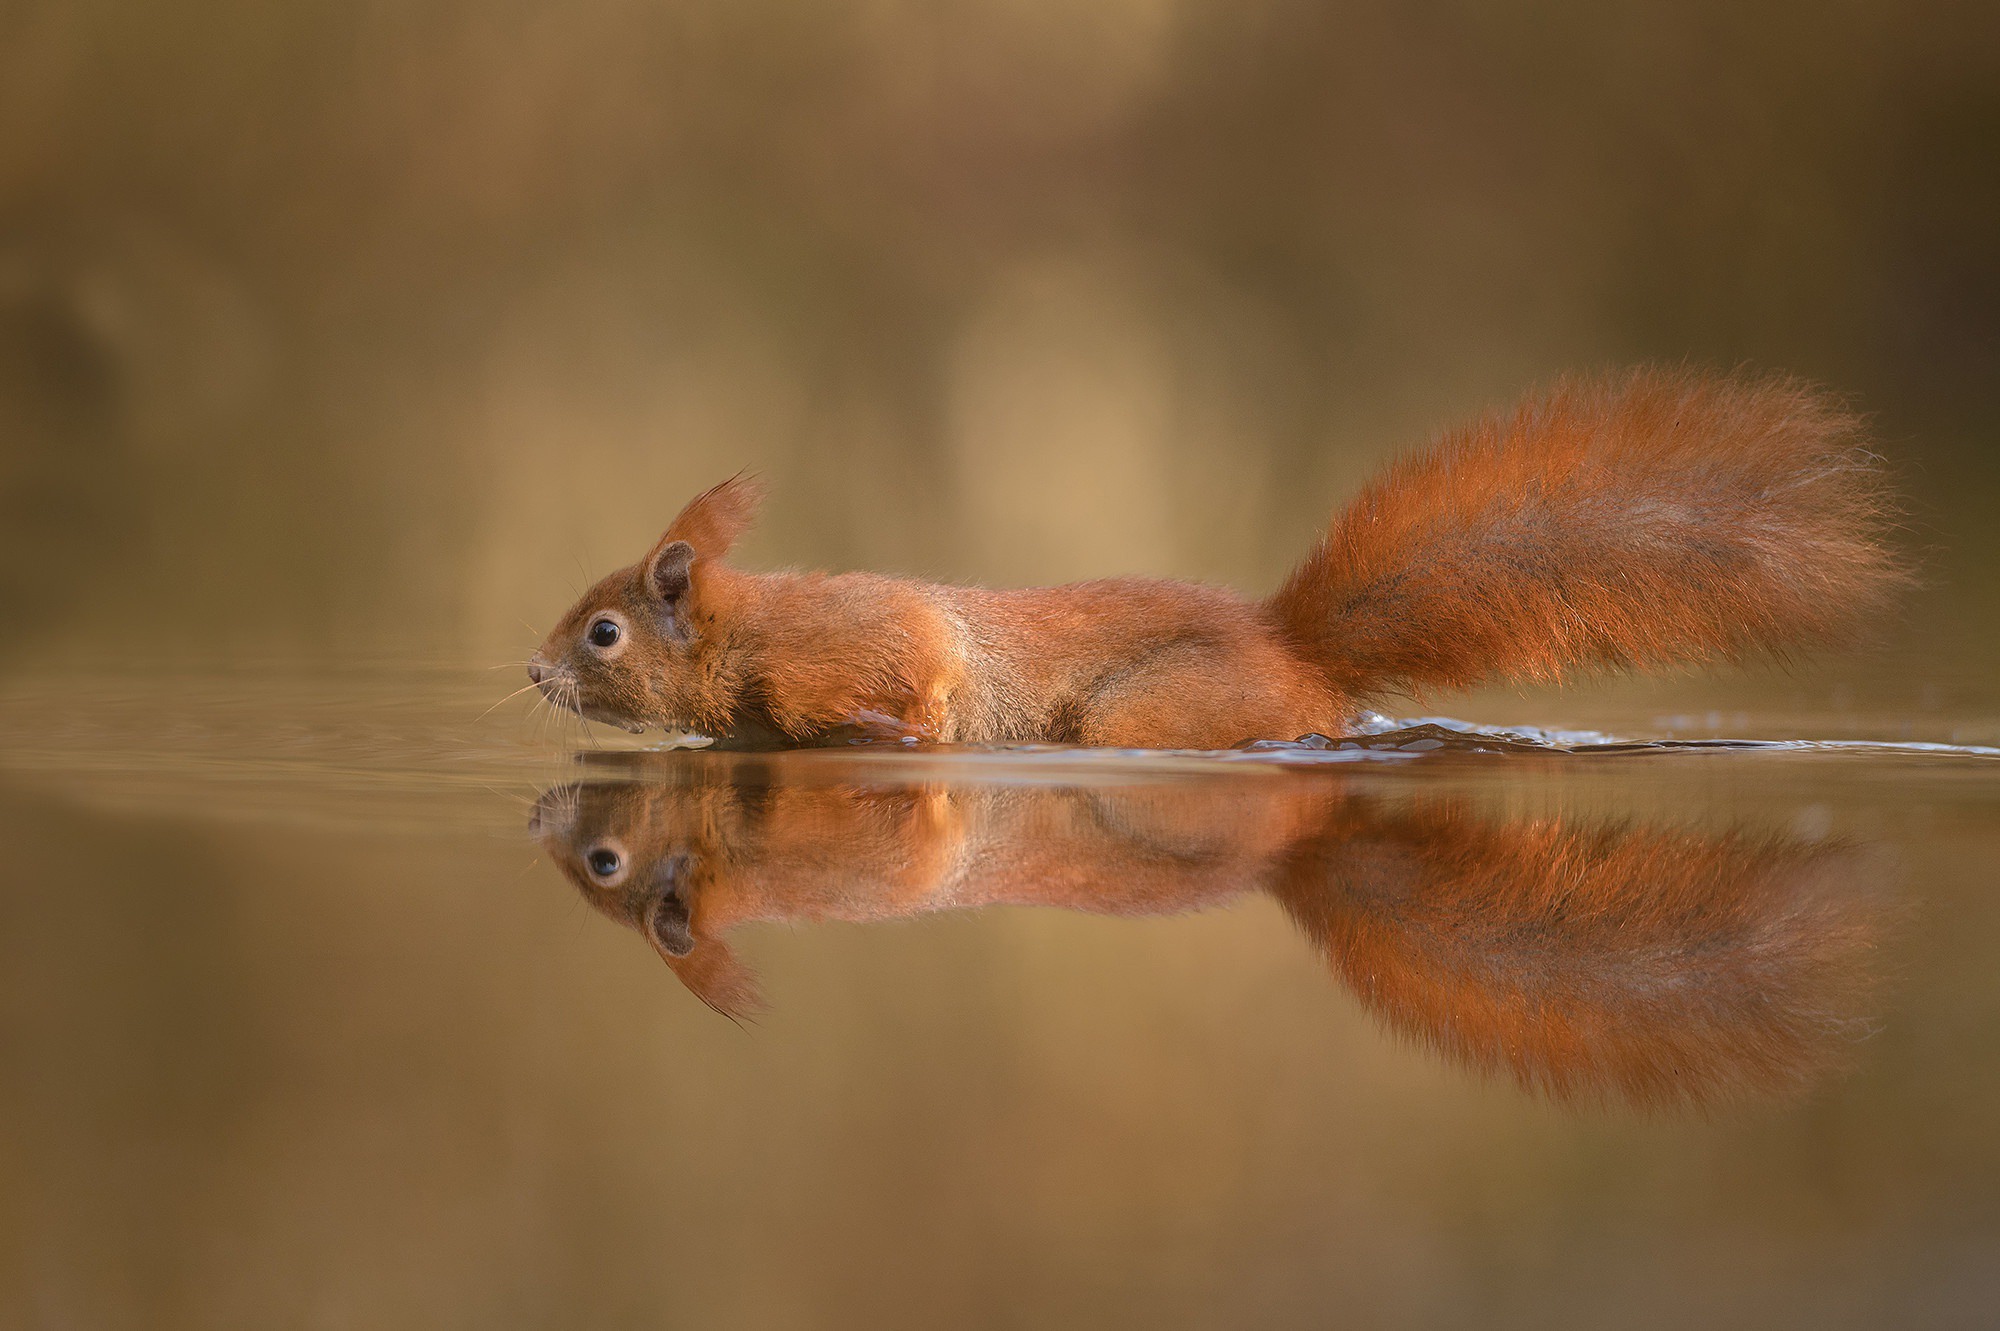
924	716
889	675
867	724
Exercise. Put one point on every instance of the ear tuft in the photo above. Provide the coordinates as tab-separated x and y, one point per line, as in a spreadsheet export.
714	974
714	518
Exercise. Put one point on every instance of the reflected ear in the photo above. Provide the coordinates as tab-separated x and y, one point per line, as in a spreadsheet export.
671	927
715	975
670	573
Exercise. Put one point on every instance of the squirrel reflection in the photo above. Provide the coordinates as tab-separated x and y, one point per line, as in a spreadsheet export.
1588	958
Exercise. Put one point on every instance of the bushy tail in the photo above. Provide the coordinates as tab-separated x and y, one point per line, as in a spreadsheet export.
1650	519
1664	965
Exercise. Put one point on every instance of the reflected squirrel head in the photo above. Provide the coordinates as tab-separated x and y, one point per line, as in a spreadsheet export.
652	864
650	644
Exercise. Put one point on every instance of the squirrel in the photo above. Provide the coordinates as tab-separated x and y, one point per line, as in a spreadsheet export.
1590	957
1643	520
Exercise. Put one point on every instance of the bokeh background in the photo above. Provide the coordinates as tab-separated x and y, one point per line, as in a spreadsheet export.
380	327
342	342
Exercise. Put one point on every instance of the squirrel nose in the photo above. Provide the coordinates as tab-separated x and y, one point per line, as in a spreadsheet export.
538	669
553	811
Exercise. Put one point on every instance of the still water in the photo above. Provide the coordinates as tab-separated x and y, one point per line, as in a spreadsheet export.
329	1001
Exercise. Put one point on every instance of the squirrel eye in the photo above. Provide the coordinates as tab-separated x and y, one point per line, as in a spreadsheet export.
604	633
603	862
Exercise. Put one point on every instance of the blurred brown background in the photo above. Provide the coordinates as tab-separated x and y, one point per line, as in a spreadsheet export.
375	328
379	326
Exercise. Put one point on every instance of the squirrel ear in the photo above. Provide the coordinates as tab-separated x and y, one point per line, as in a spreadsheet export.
670	572
671	927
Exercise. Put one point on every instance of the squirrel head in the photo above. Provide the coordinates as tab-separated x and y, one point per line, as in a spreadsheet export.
650	643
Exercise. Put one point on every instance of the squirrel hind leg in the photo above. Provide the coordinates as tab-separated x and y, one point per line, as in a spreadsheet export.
1199	703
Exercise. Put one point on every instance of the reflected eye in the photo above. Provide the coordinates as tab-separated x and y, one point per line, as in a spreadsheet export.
604	633
604	862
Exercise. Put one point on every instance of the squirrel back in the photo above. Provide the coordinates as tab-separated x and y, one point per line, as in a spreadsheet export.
1651	519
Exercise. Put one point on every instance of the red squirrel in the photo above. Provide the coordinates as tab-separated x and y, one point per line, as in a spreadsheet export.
1590	957
1644	520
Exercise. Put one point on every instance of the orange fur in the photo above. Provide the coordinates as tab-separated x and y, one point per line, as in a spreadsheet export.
1648	520
1643	521
715	518
1659	965
1587	958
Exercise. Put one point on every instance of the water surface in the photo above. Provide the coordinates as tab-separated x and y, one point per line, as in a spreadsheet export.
329	1001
